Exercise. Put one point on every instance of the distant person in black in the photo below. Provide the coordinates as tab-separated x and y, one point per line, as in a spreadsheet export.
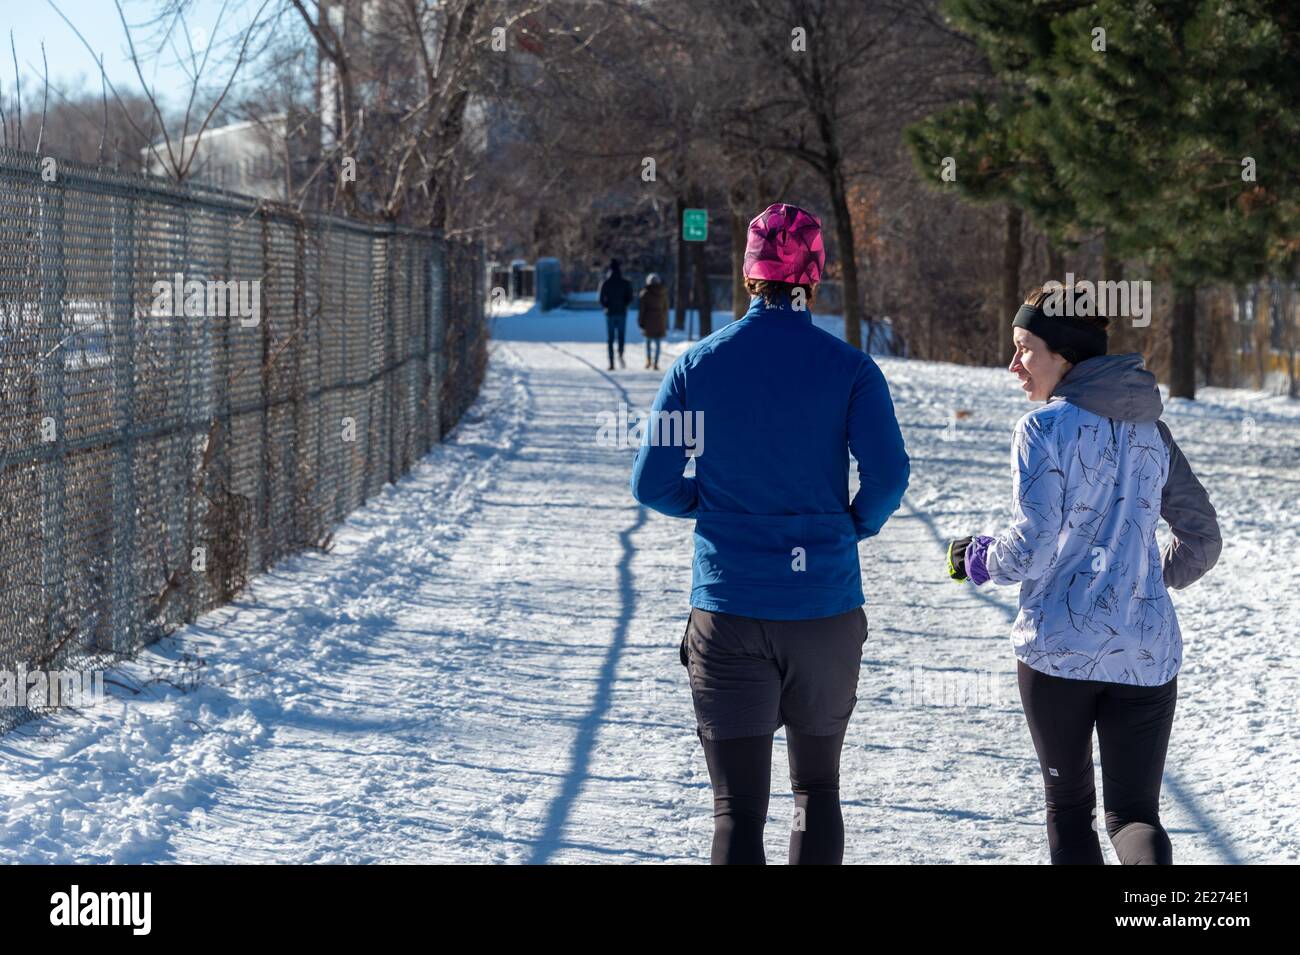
615	297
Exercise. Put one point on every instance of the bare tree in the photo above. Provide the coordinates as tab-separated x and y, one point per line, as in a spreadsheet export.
820	81
168	30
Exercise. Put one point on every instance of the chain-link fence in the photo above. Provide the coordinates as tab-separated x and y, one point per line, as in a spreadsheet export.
193	385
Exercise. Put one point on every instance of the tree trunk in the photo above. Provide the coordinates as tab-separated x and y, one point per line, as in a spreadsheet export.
1012	253
683	279
1259	298
1208	345
1182	343
1055	263
703	294
1121	326
739	236
848	261
1289	318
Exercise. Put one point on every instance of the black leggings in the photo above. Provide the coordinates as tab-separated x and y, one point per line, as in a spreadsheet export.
1133	724
741	771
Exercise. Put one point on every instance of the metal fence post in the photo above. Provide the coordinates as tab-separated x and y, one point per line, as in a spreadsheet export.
410	371
438	330
184	526
318	381
261	537
390	365
54	474
429	354
299	505
345	383
203	408
369	354
466	329
479	316
122	317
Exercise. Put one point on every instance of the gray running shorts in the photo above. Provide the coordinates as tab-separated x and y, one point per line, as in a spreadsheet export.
749	677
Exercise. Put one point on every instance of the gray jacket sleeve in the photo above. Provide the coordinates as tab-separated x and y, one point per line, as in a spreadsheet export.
1187	509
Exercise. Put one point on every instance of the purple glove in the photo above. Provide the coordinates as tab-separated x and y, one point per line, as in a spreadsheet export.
976	552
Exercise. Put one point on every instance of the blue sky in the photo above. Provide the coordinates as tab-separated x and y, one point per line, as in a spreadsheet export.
72	65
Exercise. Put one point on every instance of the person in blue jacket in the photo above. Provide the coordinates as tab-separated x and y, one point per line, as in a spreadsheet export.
776	627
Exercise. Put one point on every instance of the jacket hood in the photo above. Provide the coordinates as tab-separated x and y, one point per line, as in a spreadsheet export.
1113	386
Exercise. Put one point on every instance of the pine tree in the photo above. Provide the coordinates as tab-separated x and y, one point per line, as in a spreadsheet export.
1140	121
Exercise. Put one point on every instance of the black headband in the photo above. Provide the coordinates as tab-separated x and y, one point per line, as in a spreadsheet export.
1068	337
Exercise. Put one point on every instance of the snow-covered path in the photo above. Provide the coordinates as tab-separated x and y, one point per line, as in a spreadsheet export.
485	667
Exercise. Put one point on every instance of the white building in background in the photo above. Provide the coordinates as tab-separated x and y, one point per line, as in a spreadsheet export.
246	157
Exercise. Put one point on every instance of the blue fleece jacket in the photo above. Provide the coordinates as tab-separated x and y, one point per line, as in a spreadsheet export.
770	407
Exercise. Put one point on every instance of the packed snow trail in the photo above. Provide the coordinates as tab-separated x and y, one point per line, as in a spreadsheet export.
485	667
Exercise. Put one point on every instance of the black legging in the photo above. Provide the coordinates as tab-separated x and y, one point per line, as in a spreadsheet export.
741	771
1133	724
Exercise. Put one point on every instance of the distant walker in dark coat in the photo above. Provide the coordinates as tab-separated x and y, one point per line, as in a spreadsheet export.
653	317
615	297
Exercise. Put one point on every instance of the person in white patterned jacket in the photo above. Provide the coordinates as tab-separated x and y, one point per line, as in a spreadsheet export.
1096	638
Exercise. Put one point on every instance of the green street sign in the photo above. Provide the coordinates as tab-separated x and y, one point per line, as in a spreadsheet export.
695	225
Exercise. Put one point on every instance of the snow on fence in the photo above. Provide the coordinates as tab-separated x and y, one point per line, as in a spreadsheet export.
158	450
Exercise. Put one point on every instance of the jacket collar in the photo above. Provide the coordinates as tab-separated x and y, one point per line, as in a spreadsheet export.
779	309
